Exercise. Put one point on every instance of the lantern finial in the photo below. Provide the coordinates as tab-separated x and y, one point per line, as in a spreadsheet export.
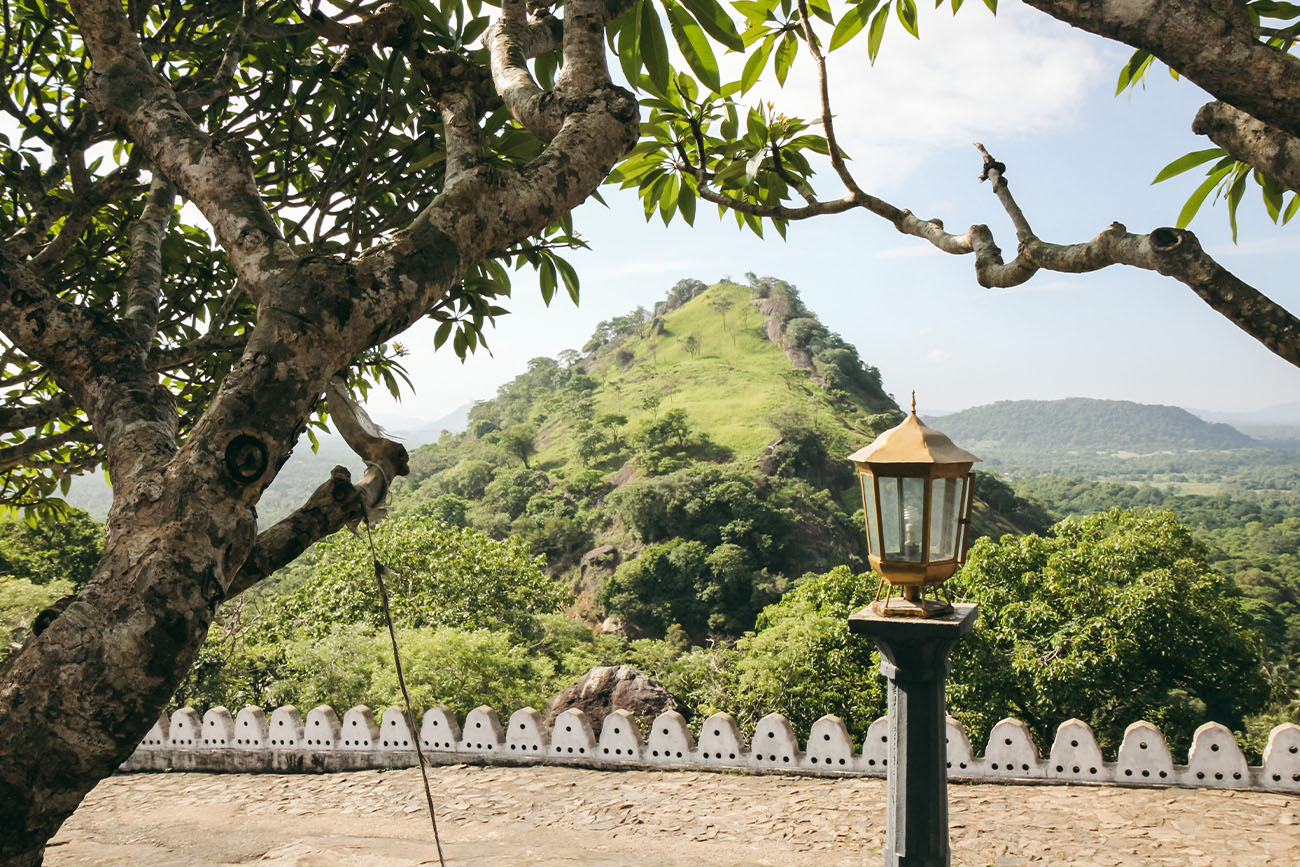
913	401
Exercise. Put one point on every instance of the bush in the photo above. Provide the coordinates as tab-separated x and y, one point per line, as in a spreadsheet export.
438	576
351	665
1117	618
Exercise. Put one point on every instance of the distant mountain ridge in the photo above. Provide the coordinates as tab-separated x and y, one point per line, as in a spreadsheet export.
1087	425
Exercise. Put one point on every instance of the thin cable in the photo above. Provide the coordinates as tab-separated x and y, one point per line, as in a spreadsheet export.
380	569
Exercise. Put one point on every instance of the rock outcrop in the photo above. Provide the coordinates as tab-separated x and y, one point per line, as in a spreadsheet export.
609	688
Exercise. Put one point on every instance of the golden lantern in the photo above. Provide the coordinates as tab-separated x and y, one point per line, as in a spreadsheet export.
916	495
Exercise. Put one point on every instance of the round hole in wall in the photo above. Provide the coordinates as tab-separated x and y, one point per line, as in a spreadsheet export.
884	738
534	747
1076	769
871	762
570	749
1293	749
771	734
1295	778
841	761
616	730
568	728
1200	775
512	746
885	762
994	766
1008	741
478	725
1146	773
655	752
961	765
1277	778
1092	770
606	750
1060	769
1143	745
759	757
665	731
814	760
1074	743
582	749
1236	775
1218	776
1214	747
679	754
1128	772
785	758
706	755
717	733
950	764
733	755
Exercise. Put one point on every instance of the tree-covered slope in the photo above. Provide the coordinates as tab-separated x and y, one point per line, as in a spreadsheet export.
684	467
1085	425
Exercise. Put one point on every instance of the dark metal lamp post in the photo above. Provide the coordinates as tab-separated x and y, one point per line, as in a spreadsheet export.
916	491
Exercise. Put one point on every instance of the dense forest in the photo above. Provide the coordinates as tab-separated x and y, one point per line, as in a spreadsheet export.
675	496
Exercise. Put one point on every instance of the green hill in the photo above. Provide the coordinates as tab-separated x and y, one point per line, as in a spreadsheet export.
1086	426
684	467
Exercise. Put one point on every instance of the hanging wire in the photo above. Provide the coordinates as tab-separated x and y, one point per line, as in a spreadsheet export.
380	570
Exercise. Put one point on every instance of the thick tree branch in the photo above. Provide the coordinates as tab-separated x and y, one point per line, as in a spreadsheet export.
216	176
1214	43
331	507
535	109
179	356
1267	148
22	417
144	275
21	453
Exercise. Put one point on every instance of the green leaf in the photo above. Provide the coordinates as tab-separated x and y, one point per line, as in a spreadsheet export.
570	278
755	64
1133	71
852	23
993	6
1273	193
654	47
546	277
877	32
686	203
628	43
753	165
785	53
1235	192
1185	162
907	16
715	21
694	45
1291	208
1194	201
668	199
440	336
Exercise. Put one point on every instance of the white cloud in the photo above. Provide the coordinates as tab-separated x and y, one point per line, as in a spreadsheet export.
969	77
938	356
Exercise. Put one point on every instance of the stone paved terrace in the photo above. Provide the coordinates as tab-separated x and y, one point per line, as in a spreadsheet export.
498	816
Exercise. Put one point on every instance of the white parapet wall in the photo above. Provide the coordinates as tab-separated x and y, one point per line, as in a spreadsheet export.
251	742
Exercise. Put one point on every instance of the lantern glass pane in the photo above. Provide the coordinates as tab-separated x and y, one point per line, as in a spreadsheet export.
869	503
902	504
945	510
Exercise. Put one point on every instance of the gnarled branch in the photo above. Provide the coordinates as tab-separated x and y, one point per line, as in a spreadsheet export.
1267	148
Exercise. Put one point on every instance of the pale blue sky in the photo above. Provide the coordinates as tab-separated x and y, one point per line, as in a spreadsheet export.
1040	96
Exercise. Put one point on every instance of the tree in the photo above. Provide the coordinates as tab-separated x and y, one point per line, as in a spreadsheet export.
722	304
1115	617
359	167
692	345
518	441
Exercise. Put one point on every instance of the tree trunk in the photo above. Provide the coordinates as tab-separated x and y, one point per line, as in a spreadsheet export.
79	696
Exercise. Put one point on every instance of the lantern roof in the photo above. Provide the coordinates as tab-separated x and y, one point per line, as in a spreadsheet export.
912	442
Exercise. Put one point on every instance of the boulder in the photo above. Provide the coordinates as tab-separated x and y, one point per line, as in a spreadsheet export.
608	688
